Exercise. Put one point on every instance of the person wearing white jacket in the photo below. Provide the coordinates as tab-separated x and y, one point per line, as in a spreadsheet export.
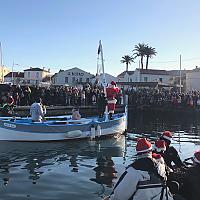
37	111
141	180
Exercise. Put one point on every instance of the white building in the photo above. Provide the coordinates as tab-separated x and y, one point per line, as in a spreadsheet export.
14	78
126	76
145	75
108	77
71	77
193	79
3	71
151	75
35	76
143	78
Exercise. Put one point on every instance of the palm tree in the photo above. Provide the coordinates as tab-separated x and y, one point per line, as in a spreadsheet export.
140	52
128	60
149	53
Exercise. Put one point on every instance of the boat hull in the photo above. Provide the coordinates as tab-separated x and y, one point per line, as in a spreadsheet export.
55	131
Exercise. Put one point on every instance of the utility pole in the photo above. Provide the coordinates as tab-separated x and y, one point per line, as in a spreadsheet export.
12	73
139	79
1	64
180	74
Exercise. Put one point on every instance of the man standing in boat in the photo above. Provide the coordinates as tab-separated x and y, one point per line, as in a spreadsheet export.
37	111
111	92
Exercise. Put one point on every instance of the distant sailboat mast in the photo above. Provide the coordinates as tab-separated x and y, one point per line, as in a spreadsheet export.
100	52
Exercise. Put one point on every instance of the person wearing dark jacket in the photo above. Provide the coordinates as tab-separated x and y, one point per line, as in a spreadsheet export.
191	181
101	104
170	154
8	107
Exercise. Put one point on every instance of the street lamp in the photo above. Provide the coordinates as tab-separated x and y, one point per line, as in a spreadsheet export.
14	64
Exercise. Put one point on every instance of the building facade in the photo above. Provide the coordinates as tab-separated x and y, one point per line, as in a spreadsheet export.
3	72
143	78
35	76
145	75
151	75
14	78
108	78
71	77
193	79
126	76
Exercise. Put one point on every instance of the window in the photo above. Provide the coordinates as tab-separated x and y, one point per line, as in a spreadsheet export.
73	79
87	80
160	80
80	80
66	79
145	79
37	74
29	74
130	79
28	81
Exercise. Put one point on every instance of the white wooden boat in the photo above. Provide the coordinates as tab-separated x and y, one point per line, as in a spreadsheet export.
60	128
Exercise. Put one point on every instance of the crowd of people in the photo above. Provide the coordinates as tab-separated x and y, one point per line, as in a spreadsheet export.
60	95
163	97
88	95
151	175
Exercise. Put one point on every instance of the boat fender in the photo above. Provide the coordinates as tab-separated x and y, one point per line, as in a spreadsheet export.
92	131
75	133
98	131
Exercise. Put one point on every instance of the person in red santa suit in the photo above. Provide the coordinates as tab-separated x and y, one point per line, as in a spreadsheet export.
111	92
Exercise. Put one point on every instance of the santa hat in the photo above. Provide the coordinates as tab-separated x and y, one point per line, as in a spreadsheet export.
113	83
160	145
167	135
196	157
143	146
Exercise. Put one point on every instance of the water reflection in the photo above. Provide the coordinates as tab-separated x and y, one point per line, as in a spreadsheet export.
83	169
41	158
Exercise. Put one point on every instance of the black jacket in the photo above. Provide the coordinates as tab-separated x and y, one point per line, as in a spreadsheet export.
191	184
171	155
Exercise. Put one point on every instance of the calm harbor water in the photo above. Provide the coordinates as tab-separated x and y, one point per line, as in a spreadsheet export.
83	169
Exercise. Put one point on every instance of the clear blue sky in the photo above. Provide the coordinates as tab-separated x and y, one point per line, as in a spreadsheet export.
60	34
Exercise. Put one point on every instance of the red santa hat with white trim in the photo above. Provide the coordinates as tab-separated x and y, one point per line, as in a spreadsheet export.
167	135
196	157
143	146
160	145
